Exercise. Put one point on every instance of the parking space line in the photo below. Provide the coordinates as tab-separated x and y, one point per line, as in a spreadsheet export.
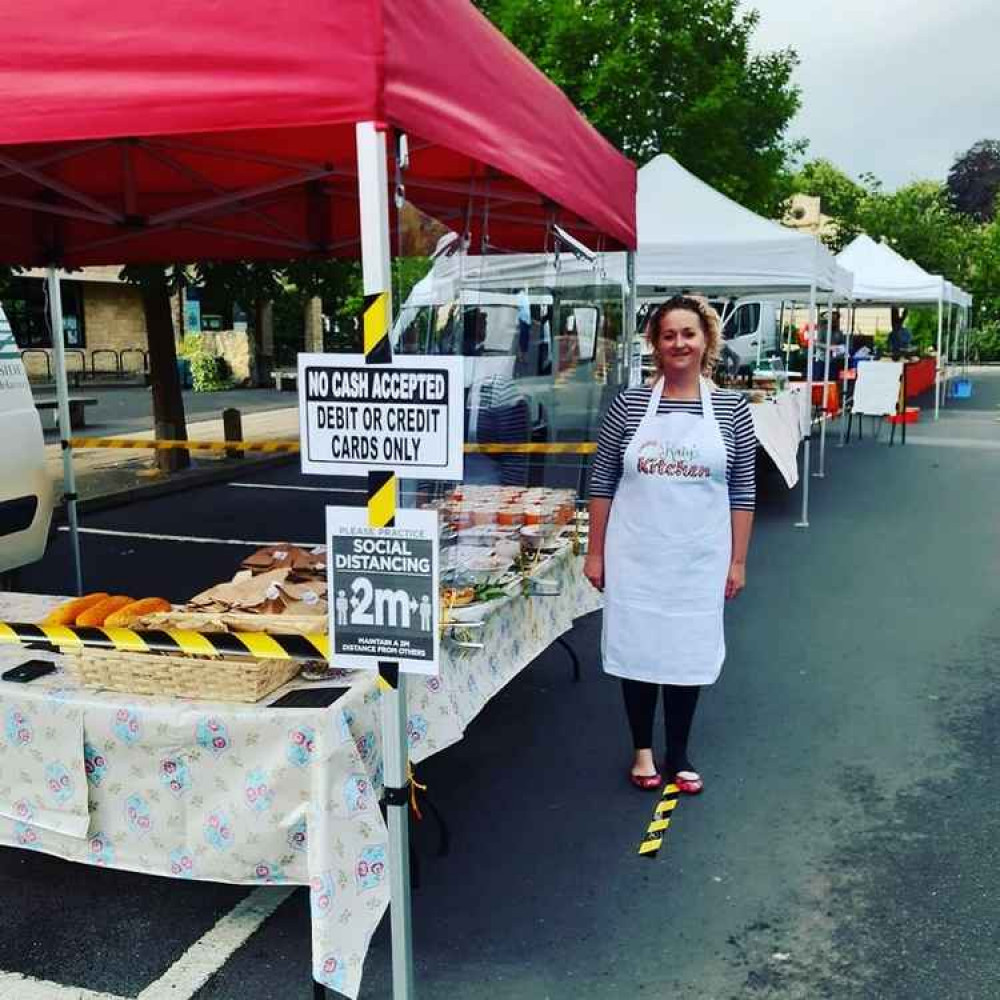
155	537
17	987
209	953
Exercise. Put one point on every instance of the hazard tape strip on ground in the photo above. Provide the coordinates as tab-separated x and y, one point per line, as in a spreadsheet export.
126	640
522	448
168	445
662	815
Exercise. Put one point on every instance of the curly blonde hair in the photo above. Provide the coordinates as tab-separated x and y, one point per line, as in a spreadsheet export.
708	319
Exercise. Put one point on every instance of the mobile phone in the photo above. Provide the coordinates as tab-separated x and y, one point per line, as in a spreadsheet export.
30	670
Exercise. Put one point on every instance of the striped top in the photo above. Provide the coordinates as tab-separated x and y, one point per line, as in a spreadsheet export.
625	414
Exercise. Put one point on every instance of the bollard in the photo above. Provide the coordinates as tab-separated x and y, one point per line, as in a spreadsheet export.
232	430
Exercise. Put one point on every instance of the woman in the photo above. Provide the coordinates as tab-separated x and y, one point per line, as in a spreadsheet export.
671	512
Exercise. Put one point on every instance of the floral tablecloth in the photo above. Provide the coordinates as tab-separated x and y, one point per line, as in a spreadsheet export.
249	794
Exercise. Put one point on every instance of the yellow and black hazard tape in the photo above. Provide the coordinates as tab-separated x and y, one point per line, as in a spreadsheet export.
378	348
126	640
534	448
162	444
278	447
657	829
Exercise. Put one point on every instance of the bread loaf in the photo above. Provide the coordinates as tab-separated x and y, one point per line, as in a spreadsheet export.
124	617
97	613
66	614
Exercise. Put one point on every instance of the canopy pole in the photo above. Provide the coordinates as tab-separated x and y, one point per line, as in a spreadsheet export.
937	374
807	456
631	333
852	313
373	193
788	339
65	430
824	416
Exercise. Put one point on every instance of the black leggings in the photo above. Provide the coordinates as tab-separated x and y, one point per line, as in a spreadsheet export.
679	703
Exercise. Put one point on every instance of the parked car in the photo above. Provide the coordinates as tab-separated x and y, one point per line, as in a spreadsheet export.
25	485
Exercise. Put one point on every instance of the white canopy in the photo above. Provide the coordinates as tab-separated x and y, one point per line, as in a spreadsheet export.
690	237
882	276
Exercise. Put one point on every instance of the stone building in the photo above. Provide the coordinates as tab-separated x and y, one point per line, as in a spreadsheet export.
102	317
105	327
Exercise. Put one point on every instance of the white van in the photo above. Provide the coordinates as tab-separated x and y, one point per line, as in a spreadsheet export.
749	330
25	485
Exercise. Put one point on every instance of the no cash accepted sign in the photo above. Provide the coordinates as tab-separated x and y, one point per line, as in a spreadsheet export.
382	589
405	417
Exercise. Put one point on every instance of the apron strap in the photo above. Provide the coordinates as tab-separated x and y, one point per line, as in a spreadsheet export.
707	410
654	397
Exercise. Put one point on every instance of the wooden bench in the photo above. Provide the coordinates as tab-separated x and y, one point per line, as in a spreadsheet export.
285	375
77	411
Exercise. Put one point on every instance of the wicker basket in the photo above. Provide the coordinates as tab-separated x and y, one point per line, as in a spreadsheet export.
180	676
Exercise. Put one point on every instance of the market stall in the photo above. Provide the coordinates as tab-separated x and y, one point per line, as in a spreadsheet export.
884	277
263	793
275	146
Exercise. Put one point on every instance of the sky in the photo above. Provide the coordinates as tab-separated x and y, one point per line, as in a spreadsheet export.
895	87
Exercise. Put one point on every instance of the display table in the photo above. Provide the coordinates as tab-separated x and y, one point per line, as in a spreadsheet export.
249	794
920	376
780	423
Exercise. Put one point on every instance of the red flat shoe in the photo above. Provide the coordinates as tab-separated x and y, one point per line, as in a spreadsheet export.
646	782
689	782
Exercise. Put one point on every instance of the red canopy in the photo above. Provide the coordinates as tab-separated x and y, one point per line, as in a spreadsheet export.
200	129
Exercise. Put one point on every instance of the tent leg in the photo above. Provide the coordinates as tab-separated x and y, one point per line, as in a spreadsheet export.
373	191
844	425
824	411
937	374
65	428
807	457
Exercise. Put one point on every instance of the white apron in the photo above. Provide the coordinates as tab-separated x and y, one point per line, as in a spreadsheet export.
667	551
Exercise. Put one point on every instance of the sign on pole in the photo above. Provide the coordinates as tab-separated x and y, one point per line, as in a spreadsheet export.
382	587
404	417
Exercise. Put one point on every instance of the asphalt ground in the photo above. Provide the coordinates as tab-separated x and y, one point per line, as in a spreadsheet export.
846	845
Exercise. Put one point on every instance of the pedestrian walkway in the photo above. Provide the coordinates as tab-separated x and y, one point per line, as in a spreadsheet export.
104	471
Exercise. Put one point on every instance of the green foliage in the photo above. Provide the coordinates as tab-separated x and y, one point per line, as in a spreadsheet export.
984	342
210	373
841	198
918	222
922	324
671	76
190	346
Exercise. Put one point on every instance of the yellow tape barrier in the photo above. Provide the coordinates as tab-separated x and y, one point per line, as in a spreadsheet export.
126	640
524	448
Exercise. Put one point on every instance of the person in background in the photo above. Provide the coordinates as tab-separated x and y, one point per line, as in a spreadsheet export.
671	513
900	338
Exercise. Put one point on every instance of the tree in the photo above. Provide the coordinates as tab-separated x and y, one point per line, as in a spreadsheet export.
918	222
253	284
840	197
155	286
672	76
974	180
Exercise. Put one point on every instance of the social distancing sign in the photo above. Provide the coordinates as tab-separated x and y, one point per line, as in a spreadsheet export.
382	589
405	417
